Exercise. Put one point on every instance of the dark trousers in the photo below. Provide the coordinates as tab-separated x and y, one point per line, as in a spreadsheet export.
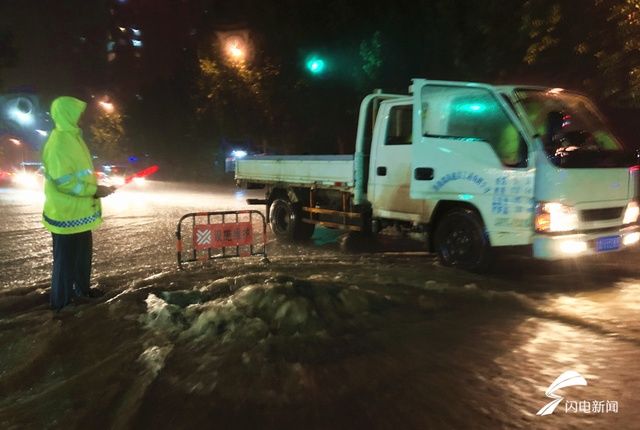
71	267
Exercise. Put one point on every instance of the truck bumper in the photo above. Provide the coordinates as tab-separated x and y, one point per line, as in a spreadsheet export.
555	247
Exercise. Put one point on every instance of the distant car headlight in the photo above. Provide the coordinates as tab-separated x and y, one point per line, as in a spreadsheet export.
25	179
238	153
631	213
555	217
139	181
117	180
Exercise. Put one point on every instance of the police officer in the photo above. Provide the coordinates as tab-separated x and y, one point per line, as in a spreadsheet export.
72	202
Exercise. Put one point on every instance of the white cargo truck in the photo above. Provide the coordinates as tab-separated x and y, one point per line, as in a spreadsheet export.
473	166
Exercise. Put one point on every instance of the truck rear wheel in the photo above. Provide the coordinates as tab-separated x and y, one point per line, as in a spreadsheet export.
286	222
461	241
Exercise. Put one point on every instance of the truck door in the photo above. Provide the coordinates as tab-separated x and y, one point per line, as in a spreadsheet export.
390	169
469	146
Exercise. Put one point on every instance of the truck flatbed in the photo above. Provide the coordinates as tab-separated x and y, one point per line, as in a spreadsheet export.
319	170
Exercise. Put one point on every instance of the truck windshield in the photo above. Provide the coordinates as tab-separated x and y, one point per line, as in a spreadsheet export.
574	133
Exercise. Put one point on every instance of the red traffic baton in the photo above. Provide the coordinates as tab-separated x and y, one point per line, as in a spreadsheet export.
141	174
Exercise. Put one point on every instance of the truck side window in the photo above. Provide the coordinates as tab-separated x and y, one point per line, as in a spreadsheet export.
480	116
399	127
474	113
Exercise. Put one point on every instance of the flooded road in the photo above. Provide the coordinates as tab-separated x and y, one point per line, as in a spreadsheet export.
314	339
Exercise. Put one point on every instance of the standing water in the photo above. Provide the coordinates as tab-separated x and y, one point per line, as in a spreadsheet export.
314	339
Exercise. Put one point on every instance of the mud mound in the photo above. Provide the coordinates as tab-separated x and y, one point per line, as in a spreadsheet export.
277	306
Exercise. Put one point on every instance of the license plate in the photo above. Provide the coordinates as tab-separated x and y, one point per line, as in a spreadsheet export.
608	243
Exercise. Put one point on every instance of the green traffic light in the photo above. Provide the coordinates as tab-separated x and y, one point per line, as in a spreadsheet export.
316	65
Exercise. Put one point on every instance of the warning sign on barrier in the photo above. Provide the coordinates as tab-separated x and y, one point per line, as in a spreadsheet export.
221	235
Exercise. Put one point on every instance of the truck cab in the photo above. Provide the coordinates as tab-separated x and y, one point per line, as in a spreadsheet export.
475	166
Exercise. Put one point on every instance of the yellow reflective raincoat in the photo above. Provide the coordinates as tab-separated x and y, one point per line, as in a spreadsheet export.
70	185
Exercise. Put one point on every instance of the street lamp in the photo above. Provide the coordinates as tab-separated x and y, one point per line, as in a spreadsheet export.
235	50
17	142
107	106
235	46
21	112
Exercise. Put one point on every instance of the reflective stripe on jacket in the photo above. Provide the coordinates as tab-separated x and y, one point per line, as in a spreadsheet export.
70	185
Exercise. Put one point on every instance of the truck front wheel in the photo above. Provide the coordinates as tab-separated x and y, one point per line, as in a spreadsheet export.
286	222
461	241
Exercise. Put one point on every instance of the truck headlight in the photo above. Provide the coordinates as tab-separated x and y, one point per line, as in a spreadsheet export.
631	213
554	217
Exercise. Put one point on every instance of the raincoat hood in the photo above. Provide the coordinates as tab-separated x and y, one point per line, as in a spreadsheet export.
66	112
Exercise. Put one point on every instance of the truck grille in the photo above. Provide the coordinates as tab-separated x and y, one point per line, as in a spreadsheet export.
601	214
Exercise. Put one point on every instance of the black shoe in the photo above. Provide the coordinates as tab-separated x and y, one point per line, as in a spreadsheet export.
95	293
69	307
91	293
81	300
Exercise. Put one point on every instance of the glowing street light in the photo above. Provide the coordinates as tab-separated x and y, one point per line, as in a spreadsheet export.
23	118
235	46
17	142
235	49
21	111
106	106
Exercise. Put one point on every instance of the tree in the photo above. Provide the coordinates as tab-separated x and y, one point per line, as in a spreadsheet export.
371	55
235	98
620	63
107	136
600	55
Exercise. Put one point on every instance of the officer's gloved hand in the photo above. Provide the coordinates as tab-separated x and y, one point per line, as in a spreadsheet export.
104	191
